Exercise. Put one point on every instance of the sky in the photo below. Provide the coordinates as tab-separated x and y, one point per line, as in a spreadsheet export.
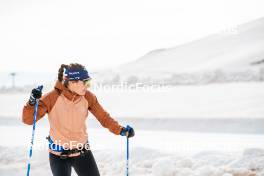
38	36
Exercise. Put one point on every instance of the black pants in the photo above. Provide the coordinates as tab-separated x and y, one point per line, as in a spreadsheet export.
83	165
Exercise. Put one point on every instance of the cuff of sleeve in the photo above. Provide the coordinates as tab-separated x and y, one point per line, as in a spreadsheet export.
120	130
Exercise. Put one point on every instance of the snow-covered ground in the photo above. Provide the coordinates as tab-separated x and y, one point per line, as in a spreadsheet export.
153	153
172	136
233	100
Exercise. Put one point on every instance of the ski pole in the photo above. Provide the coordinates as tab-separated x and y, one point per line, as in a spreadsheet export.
33	132
127	155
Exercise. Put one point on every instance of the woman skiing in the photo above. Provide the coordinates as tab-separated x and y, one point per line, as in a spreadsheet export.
67	106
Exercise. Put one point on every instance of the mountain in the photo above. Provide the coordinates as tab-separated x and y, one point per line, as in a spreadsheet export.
239	50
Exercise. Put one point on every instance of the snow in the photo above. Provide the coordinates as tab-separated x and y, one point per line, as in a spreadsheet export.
170	139
217	51
221	57
234	100
206	130
209	101
152	153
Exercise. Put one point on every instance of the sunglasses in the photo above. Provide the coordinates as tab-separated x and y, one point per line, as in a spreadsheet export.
87	82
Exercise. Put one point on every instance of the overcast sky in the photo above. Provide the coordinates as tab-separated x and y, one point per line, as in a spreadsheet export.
41	35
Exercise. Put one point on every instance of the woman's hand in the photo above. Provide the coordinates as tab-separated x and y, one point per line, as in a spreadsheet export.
35	94
127	131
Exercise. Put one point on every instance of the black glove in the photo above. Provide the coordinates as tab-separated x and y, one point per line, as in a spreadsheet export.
127	131
35	94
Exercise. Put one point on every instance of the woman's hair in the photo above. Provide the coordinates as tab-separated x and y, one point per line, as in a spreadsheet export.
70	66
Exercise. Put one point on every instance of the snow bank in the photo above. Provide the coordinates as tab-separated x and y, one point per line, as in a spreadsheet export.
147	162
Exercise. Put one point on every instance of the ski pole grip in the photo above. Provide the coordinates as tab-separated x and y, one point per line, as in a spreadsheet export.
40	87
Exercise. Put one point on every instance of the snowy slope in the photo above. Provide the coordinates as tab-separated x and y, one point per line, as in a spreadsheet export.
236	50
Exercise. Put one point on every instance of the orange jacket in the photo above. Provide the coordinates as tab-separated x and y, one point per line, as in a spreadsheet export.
67	113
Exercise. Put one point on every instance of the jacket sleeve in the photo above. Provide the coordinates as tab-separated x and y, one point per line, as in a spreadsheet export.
28	110
101	115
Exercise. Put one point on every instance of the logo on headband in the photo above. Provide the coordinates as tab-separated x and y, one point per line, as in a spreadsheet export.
76	74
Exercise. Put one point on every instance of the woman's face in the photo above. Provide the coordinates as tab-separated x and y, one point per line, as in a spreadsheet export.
78	87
